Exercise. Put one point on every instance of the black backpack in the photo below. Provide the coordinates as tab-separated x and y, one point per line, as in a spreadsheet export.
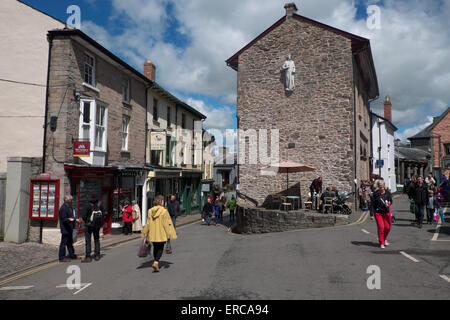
95	220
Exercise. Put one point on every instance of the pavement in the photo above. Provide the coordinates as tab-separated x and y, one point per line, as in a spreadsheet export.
18	258
210	263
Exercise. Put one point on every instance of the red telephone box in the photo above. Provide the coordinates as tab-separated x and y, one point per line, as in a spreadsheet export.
44	199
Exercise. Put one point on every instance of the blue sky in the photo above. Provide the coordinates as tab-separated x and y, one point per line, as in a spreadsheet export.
190	40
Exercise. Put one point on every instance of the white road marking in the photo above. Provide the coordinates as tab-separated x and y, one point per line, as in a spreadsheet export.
16	288
82	286
408	256
445	278
365	231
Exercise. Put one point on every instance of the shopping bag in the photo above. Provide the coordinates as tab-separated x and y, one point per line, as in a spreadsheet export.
441	213
144	248
435	217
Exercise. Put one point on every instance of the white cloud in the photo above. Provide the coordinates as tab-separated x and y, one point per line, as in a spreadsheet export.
408	133
410	50
217	118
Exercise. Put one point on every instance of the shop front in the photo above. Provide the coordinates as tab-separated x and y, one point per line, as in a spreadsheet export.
165	182
87	183
191	192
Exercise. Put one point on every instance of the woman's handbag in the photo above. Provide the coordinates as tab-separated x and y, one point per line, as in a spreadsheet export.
144	248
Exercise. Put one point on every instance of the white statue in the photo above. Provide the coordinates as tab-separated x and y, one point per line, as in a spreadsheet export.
289	69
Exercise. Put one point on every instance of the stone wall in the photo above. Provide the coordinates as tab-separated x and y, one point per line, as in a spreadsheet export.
256	220
318	116
443	130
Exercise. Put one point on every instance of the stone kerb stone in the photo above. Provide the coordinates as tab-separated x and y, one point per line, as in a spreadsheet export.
254	220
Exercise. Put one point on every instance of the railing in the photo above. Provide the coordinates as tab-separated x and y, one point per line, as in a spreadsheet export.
243	196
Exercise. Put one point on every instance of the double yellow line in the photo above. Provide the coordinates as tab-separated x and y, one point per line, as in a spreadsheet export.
28	273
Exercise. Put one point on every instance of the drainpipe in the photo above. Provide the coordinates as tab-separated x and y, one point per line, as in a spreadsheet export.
50	45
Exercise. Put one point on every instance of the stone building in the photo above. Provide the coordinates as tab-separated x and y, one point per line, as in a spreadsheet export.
324	120
173	169
97	99
436	139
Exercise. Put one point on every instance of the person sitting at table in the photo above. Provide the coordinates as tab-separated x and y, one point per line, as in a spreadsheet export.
326	194
334	192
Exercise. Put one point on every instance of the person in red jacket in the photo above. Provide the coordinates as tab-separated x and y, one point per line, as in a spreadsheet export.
127	218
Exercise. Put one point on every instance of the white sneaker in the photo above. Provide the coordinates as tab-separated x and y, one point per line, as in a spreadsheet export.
382	247
387	243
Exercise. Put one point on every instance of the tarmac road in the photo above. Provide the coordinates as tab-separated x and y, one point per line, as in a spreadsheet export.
210	263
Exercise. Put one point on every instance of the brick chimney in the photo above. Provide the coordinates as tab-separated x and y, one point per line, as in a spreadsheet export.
388	109
150	70
291	8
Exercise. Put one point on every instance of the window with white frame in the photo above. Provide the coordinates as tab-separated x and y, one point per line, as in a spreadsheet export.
85	132
126	90
125	125
93	123
100	127
89	69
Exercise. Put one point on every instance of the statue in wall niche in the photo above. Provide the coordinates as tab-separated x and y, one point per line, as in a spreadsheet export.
289	71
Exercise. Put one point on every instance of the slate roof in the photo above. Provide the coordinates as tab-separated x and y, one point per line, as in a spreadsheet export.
412	154
427	132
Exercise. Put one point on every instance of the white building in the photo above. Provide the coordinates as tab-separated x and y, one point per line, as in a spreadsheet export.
383	146
23	78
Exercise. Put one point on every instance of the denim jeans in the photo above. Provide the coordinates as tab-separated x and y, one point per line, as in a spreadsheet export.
208	218
420	212
88	237
66	241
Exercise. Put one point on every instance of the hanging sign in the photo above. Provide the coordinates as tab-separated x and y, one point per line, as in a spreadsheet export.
158	141
81	149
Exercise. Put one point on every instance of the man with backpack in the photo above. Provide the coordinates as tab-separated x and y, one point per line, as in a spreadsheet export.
93	218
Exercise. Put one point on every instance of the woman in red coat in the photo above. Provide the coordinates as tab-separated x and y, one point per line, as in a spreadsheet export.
127	218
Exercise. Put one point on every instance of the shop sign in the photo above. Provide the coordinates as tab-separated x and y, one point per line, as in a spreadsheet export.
81	149
206	188
158	141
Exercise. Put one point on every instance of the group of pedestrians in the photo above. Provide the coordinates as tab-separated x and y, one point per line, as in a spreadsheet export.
424	198
92	217
216	208
131	217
